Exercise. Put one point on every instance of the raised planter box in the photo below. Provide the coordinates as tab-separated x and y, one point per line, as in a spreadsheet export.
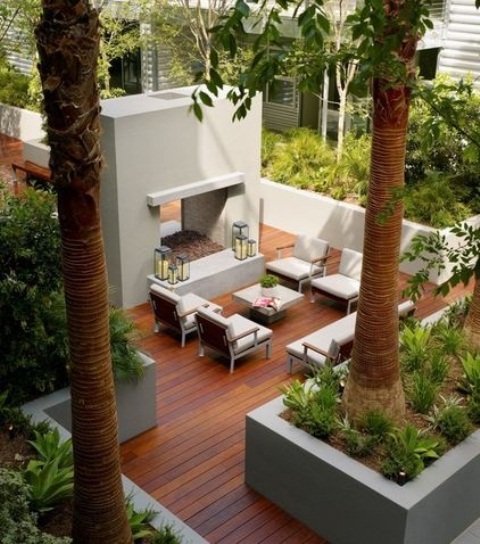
348	503
136	404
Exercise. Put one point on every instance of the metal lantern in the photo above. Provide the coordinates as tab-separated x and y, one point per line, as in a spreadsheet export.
239	228
172	274
161	261
183	266
251	248
241	245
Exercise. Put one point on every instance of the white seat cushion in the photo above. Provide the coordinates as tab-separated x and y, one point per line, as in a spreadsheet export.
294	268
338	285
238	325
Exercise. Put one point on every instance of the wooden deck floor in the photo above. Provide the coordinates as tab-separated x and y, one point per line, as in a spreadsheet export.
193	461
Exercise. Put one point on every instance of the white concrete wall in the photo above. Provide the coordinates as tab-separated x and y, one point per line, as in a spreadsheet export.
22	124
152	145
342	224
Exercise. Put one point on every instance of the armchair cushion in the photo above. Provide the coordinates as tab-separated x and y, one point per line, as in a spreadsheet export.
308	248
239	326
351	263
338	285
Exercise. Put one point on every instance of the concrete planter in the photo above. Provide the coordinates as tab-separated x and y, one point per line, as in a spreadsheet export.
136	404
348	503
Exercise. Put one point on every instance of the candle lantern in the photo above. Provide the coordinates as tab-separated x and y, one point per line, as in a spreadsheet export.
239	228
161	261
172	274
183	266
251	248
241	245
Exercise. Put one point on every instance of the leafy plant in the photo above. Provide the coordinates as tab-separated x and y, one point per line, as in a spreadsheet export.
450	340
357	443
376	423
126	361
139	520
414	343
296	396
408	451
17	522
269	281
50	447
451	420
48	484
438	367
470	382
165	535
422	392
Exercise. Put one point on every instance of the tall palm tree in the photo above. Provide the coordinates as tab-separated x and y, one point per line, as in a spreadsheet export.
374	379
67	40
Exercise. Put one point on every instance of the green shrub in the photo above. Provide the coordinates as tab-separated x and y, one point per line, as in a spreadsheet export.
376	423
139	521
422	392
414	347
470	381
18	524
301	159
357	443
14	86
408	451
451	420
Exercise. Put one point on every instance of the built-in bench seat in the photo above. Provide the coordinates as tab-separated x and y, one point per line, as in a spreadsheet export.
332	343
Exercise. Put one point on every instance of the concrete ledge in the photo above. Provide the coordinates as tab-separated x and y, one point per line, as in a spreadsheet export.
218	274
347	502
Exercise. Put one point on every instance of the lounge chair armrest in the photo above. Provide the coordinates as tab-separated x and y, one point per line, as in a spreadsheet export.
253	330
279	249
307	346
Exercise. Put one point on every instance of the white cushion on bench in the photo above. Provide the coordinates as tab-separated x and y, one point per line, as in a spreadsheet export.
338	285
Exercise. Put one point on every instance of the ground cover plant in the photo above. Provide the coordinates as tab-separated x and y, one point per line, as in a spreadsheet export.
441	379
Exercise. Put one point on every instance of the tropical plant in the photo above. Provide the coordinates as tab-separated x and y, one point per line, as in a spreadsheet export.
376	423
357	443
50	447
470	382
126	361
408	450
421	391
139	520
67	39
451	420
438	367
414	346
48	484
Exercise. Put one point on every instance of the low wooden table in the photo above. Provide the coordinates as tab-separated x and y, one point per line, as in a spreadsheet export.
288	297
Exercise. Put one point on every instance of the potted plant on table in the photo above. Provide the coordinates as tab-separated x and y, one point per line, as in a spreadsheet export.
268	284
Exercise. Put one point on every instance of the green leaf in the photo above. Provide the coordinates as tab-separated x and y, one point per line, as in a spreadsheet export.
206	99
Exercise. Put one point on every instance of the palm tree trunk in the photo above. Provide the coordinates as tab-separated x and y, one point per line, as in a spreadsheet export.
374	381
67	40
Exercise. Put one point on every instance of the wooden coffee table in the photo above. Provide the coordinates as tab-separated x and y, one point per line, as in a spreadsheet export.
288	297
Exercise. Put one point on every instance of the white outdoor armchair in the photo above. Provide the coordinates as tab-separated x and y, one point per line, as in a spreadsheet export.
345	285
232	337
307	260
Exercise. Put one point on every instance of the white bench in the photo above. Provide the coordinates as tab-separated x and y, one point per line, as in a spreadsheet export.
331	343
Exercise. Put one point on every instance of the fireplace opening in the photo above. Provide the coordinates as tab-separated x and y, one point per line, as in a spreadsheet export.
191	243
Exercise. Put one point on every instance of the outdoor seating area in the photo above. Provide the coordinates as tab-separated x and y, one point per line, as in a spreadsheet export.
193	461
